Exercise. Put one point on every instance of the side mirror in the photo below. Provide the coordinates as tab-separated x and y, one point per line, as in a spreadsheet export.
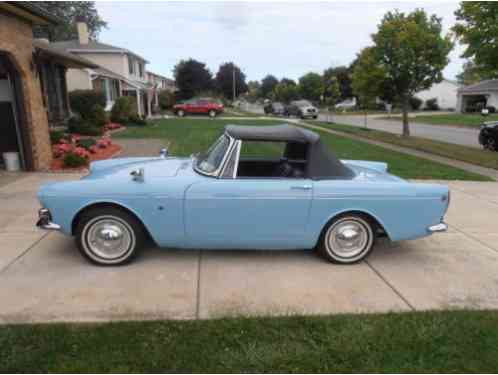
485	112
163	152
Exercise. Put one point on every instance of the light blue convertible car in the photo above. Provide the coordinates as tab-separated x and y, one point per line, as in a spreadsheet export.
298	197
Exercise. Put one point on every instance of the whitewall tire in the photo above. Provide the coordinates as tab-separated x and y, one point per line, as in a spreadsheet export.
347	239
109	236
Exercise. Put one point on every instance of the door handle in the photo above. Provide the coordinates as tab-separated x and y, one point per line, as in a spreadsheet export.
301	187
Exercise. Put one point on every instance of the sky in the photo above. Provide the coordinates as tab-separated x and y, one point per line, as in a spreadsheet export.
286	39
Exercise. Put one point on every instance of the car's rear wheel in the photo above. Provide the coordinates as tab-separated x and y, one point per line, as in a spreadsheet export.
212	113
347	239
180	113
490	144
109	236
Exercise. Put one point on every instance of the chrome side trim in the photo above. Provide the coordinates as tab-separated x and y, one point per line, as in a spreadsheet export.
441	227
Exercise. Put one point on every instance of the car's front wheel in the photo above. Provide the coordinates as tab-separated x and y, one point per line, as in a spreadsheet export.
347	239
180	113
109	236
490	144
212	113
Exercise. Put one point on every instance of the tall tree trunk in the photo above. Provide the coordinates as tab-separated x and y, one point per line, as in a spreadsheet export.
406	128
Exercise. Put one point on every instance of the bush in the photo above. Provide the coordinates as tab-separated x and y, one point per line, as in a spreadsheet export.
123	109
136	120
166	100
431	105
491	109
56	136
72	160
97	116
87	143
80	126
83	102
415	103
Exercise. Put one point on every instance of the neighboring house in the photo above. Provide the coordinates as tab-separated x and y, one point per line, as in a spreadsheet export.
159	83
445	92
484	93
119	72
32	84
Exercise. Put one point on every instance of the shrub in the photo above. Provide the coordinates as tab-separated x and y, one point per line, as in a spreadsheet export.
56	136
136	120
431	105
123	109
83	102
87	143
97	116
73	160
80	126
415	103
491	109
166	99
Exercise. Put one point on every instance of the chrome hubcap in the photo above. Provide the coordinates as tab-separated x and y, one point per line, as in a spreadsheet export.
347	238
109	239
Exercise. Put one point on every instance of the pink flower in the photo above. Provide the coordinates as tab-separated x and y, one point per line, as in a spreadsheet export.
80	151
93	149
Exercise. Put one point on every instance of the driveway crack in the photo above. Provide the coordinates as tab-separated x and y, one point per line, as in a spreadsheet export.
23	253
396	291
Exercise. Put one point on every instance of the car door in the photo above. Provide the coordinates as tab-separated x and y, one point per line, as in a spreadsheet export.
248	213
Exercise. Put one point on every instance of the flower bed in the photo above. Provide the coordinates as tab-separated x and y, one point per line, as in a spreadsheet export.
74	152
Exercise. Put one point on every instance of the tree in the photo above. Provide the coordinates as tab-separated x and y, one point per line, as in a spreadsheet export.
342	75
471	74
478	31
253	90
311	86
192	77
268	85
288	81
369	78
224	80
286	91
69	13
412	52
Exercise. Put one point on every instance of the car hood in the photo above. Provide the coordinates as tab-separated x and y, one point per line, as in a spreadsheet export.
122	167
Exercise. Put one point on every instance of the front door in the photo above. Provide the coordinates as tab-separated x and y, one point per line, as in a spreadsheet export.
248	213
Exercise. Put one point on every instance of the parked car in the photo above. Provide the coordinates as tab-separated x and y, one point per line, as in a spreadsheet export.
301	109
275	108
348	104
488	136
198	106
301	198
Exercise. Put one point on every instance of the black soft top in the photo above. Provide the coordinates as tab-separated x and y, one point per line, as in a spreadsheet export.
322	163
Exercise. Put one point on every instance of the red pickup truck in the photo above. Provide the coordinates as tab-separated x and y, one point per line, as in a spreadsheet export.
202	106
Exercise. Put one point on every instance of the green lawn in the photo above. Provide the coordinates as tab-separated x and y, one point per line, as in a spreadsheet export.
448	341
470	155
188	136
455	119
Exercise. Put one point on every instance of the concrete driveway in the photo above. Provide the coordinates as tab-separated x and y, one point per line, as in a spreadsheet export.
43	278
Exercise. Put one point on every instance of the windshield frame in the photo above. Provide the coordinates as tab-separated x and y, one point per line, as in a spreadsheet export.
217	171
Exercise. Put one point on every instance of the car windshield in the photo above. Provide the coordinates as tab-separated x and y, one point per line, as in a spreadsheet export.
210	161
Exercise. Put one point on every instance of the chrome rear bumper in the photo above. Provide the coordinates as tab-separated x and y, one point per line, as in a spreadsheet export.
441	227
45	220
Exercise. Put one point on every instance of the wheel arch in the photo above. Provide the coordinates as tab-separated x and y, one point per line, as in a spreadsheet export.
107	204
374	219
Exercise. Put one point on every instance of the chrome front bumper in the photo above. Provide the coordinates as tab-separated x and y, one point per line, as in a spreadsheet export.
45	220
441	227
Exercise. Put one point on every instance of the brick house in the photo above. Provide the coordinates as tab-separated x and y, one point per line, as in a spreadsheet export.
32	84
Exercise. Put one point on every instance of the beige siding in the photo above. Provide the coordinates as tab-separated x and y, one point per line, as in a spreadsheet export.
78	79
111	61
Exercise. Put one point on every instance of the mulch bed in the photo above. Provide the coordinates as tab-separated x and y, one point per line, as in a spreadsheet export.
103	153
